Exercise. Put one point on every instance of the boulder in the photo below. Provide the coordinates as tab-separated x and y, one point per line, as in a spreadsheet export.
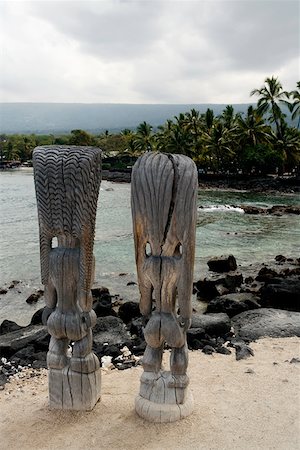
215	285
35	296
100	292
242	350
224	263
206	289
37	318
29	355
233	304
208	350
280	259
110	330
212	324
282	294
266	274
11	342
276	210
8	325
136	327
279	210
194	337
102	301
251	325
253	209
103	307
128	311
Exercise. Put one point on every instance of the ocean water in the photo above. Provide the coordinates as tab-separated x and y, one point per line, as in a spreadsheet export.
222	227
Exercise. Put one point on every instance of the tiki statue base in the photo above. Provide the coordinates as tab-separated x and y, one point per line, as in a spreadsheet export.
74	390
163	398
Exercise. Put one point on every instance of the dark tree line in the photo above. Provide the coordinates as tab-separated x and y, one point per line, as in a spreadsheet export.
259	141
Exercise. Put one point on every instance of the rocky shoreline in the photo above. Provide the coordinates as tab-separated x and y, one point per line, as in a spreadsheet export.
225	182
230	312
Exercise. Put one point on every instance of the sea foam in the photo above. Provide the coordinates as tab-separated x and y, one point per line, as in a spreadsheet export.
221	208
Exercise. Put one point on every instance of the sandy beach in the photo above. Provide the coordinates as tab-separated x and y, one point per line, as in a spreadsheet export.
249	404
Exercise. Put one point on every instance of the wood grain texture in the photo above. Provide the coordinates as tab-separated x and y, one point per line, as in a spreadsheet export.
67	182
163	197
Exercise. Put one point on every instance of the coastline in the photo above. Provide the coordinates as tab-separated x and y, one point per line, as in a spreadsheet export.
225	182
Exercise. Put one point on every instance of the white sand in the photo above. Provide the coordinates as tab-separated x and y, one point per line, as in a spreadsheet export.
234	409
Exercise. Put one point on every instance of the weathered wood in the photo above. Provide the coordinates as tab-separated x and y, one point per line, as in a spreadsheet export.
67	182
164	192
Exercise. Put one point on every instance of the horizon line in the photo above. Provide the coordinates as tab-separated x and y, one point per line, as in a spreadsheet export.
125	104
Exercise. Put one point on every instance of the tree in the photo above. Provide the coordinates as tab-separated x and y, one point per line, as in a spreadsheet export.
81	137
218	147
229	118
270	96
179	140
130	143
289	147
252	129
208	120
194	122
295	106
144	137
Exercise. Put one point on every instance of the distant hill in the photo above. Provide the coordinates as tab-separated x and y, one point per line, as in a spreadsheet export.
63	117
57	118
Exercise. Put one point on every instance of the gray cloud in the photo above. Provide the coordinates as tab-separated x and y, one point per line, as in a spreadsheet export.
147	51
113	30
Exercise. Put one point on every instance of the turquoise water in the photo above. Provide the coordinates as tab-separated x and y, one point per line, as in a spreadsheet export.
222	228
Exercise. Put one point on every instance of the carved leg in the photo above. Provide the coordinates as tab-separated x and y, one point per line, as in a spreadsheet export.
57	354
152	359
74	383
83	359
178	365
163	395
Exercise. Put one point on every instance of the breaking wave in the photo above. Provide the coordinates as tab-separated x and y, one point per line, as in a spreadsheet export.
221	208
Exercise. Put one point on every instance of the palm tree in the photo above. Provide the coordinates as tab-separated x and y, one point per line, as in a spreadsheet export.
218	146
289	147
253	137
228	117
179	140
194	122
144	137
295	106
131	143
270	95
252	129
208	118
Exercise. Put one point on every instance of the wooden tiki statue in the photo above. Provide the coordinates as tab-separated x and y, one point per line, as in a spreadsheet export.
67	182
164	193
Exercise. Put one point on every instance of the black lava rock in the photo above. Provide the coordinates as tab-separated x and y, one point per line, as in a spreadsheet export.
128	311
225	263
208	350
7	326
37	318
212	324
233	304
110	330
282	294
252	325
34	297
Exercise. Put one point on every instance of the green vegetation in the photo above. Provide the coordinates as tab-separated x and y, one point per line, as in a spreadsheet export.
257	142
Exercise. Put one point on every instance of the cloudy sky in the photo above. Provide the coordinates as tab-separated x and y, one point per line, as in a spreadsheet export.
146	51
